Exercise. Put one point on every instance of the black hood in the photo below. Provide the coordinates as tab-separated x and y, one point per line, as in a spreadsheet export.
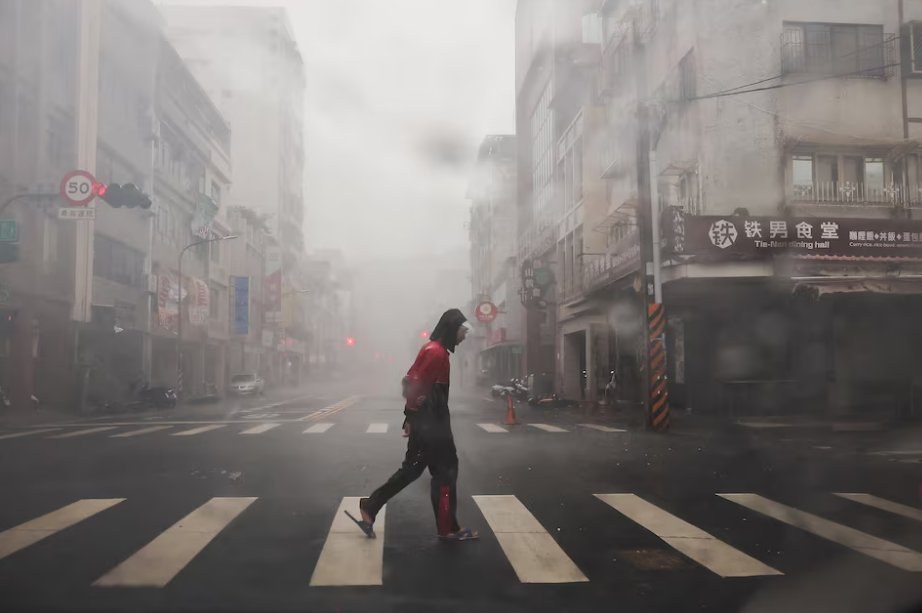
446	331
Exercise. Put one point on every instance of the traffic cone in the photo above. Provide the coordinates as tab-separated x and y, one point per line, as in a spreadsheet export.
510	412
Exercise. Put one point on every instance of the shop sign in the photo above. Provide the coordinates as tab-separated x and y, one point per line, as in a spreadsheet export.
241	306
733	236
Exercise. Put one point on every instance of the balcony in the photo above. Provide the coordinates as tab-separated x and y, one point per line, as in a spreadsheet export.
847	193
689	204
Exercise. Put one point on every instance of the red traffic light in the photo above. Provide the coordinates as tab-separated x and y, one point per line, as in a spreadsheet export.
425	335
100	189
350	341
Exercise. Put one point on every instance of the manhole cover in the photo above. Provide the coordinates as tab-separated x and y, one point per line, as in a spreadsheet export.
654	559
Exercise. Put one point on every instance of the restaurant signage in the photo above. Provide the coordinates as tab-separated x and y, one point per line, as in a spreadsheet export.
732	236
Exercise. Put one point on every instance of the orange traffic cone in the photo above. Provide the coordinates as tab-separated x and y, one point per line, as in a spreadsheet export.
510	412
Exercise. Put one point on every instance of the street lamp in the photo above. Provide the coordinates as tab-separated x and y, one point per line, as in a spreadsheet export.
179	330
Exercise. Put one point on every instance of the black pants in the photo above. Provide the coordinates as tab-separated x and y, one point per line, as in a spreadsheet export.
430	445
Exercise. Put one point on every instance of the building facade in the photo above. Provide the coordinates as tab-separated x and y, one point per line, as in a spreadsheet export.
497	345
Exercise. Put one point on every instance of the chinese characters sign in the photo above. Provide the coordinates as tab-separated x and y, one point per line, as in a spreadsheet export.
765	236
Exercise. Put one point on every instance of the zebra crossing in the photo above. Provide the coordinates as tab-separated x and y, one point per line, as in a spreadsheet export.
527	546
188	429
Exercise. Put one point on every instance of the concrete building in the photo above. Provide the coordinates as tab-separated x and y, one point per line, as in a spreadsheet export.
252	344
773	289
497	346
248	61
560	190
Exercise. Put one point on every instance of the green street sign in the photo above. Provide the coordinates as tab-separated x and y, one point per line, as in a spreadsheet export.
9	231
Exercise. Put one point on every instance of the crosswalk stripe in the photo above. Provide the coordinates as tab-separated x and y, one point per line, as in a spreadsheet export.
493	428
888	552
319	428
349	557
885	505
198	430
695	543
83	432
140	432
260	429
155	564
28	433
547	428
33	531
376	429
534	554
602	428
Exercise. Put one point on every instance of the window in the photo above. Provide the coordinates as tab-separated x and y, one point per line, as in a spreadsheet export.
216	193
118	262
214	303
840	49
542	136
840	178
687	84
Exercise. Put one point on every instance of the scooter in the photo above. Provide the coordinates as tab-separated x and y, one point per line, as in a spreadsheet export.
160	397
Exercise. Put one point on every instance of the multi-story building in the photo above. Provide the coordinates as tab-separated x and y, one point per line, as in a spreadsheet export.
780	142
248	61
497	345
251	346
560	190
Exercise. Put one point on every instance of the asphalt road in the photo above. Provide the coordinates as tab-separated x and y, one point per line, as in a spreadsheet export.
242	513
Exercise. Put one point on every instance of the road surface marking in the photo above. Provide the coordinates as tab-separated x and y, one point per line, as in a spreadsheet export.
534	554
155	564
260	429
886	505
898	452
348	556
376	429
695	543
82	432
888	552
140	432
319	428
547	428
602	428
493	428
28	433
33	531
345	403
198	430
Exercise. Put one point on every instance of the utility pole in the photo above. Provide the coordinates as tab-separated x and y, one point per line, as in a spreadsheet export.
87	116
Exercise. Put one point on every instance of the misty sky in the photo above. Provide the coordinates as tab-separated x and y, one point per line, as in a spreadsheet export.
400	93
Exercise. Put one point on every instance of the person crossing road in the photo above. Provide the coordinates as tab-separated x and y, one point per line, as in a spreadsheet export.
428	425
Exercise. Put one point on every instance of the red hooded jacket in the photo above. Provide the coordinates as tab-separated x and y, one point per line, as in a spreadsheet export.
430	369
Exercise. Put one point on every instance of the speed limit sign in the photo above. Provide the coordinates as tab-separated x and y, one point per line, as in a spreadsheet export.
78	187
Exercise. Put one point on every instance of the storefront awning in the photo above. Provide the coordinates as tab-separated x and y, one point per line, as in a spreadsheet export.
843	285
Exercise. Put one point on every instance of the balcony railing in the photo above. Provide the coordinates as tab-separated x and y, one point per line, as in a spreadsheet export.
689	205
849	193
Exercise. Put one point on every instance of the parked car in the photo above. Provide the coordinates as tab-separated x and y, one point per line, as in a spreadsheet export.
247	383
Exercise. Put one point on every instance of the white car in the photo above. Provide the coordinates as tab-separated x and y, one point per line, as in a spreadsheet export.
246	384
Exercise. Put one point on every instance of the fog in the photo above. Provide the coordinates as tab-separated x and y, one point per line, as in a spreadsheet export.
399	96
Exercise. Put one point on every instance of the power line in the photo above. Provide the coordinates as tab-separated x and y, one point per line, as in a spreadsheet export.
830	61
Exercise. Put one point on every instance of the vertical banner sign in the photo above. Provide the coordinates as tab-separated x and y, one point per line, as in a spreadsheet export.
659	396
273	285
241	306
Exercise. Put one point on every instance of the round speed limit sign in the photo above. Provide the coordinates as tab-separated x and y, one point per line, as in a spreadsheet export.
78	187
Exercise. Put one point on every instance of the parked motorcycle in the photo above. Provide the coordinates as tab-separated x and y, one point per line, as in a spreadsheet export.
515	388
158	397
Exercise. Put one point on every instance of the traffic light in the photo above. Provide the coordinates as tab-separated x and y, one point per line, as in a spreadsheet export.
127	195
350	341
425	335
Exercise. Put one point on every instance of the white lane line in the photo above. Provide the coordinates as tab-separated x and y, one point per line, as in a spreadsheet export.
885	505
547	428
33	531
898	452
28	433
155	564
194	431
83	432
376	429
493	428
534	554
140	432
319	428
348	556
602	428
695	543
260	429
885	551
